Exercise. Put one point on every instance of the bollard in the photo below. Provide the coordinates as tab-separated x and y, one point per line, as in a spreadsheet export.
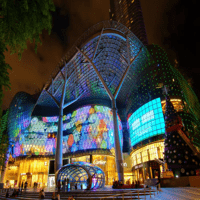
157	189
150	192
138	194
123	197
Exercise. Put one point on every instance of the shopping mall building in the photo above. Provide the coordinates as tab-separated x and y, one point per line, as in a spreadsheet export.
108	79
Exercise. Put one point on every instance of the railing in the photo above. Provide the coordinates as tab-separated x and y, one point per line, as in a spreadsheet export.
137	193
4	190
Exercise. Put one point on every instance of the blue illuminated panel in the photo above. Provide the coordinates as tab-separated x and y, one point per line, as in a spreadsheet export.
146	122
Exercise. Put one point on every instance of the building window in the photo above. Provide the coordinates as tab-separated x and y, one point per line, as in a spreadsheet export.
148	154
158	150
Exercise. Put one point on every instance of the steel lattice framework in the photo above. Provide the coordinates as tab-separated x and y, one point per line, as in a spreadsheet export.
112	48
102	65
82	173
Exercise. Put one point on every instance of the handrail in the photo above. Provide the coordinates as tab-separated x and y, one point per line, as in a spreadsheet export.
3	190
131	192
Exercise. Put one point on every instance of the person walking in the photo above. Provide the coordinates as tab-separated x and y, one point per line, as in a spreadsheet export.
67	184
58	197
71	198
64	184
53	196
59	185
25	186
22	186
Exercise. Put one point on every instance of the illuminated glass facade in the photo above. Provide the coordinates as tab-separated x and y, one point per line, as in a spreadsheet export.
82	174
89	127
88	123
148	152
146	122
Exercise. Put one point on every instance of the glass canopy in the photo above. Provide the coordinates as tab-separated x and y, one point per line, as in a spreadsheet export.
82	174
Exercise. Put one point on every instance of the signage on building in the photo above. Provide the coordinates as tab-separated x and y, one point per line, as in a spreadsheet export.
138	166
124	164
147	121
99	162
28	174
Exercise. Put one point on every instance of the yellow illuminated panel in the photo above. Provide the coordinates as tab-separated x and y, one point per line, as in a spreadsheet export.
153	150
177	103
144	156
32	170
107	164
82	158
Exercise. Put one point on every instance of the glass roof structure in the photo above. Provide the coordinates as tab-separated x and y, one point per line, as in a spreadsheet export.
83	174
112	48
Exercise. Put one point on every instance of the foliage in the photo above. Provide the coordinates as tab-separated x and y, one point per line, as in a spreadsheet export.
4	139
4	80
24	20
20	21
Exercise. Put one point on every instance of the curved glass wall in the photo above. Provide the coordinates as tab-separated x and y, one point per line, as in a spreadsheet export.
146	122
89	127
83	175
19	117
147	153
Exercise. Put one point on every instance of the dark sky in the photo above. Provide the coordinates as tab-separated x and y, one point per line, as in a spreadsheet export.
171	24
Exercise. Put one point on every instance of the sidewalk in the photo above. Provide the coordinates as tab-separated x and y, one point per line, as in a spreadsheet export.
182	193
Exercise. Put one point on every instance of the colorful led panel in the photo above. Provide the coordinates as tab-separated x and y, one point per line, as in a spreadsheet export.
146	122
89	127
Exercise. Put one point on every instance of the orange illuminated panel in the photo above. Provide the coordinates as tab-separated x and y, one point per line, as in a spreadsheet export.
155	150
177	103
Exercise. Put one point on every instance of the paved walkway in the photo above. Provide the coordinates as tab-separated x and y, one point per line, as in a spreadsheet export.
182	193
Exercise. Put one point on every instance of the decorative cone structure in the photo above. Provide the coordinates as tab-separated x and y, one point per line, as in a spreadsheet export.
179	153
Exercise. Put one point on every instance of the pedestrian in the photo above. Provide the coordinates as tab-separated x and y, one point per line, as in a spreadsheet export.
22	186
67	184
71	198
59	185
64	184
53	196
138	183
58	197
42	194
25	185
7	194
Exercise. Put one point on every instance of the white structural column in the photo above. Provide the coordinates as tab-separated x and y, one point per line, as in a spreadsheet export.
59	146
118	149
61	106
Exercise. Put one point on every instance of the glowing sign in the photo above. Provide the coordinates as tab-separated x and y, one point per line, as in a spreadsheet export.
146	122
99	162
89	127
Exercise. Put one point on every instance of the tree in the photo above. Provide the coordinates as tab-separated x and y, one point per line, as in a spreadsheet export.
21	21
4	143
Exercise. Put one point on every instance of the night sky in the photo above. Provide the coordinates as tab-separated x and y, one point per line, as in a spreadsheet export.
172	24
